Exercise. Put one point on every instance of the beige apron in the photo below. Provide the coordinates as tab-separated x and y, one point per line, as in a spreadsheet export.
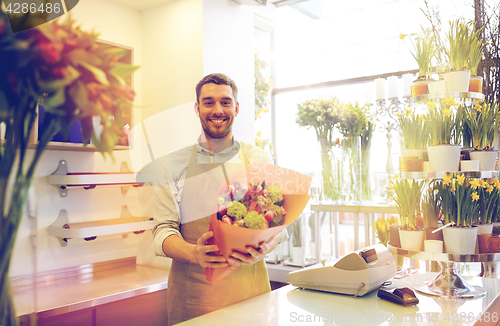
189	294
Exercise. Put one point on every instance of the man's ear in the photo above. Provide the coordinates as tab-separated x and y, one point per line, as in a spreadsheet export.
236	109
196	109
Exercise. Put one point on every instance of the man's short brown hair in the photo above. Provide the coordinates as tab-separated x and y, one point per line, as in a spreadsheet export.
219	79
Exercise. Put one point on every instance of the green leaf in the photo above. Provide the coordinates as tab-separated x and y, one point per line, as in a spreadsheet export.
122	69
79	95
56	99
99	75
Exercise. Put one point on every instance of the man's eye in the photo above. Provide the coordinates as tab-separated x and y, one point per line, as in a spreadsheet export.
207	103
226	103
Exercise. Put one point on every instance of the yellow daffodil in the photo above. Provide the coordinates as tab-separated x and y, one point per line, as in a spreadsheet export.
449	101
402	36
396	176
447	180
453	188
482	183
478	107
475	196
460	179
431	105
475	183
489	189
408	112
446	113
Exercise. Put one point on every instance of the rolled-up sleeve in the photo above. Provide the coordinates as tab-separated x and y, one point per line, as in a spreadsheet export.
165	209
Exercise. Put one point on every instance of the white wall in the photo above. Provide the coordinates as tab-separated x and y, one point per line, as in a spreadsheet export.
228	31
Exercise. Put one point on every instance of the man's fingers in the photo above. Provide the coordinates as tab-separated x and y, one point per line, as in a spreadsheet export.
204	237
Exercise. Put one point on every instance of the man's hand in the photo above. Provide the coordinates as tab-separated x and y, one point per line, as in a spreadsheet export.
203	254
253	255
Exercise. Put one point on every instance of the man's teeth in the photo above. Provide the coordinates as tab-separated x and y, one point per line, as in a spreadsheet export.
218	121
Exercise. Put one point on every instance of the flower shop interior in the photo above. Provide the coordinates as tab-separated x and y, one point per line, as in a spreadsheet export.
361	95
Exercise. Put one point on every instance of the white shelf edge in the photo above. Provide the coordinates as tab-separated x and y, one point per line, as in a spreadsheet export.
94	231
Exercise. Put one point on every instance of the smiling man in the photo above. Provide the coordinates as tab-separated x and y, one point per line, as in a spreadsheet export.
185	196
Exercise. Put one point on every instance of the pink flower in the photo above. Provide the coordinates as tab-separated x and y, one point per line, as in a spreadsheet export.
227	220
269	215
222	209
50	52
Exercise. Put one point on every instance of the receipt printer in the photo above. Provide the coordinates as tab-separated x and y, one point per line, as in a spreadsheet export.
355	274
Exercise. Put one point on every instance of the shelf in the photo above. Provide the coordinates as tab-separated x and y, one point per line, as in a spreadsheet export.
444	257
63	180
440	175
355	208
428	97
64	230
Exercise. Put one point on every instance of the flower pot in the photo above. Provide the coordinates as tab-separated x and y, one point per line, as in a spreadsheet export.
476	84
420	87
494	244
444	158
433	246
438	86
394	236
433	236
298	255
420	153
484	228
469	165
483	241
460	240
457	81
486	159
411	239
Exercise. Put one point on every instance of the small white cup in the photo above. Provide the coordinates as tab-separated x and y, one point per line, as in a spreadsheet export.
433	246
469	165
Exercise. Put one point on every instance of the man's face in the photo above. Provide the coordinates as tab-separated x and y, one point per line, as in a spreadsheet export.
216	110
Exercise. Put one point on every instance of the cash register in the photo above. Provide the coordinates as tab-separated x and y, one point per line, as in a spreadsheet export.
355	274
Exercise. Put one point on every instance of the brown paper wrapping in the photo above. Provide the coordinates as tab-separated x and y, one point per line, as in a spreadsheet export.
295	187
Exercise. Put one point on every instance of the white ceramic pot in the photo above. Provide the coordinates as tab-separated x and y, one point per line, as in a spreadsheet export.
298	255
420	153
460	240
438	86
444	158
457	81
411	240
469	165
486	159
484	228
433	246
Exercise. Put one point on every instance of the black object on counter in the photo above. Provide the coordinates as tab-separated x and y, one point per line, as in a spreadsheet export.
403	296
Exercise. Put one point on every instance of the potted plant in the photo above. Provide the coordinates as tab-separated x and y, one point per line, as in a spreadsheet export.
407	195
459	39
459	201
415	135
424	51
488	204
444	124
322	115
483	121
431	212
475	56
297	251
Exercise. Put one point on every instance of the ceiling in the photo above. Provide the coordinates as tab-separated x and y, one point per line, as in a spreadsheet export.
146	4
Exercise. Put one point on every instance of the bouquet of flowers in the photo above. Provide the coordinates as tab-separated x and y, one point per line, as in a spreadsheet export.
274	198
259	207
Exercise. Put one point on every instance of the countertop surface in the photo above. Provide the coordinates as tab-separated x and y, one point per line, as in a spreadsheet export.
293	306
58	296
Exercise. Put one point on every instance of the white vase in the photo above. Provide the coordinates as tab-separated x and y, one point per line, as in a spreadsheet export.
420	153
312	249
460	240
411	240
438	86
298	255
444	158
457	81
486	159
